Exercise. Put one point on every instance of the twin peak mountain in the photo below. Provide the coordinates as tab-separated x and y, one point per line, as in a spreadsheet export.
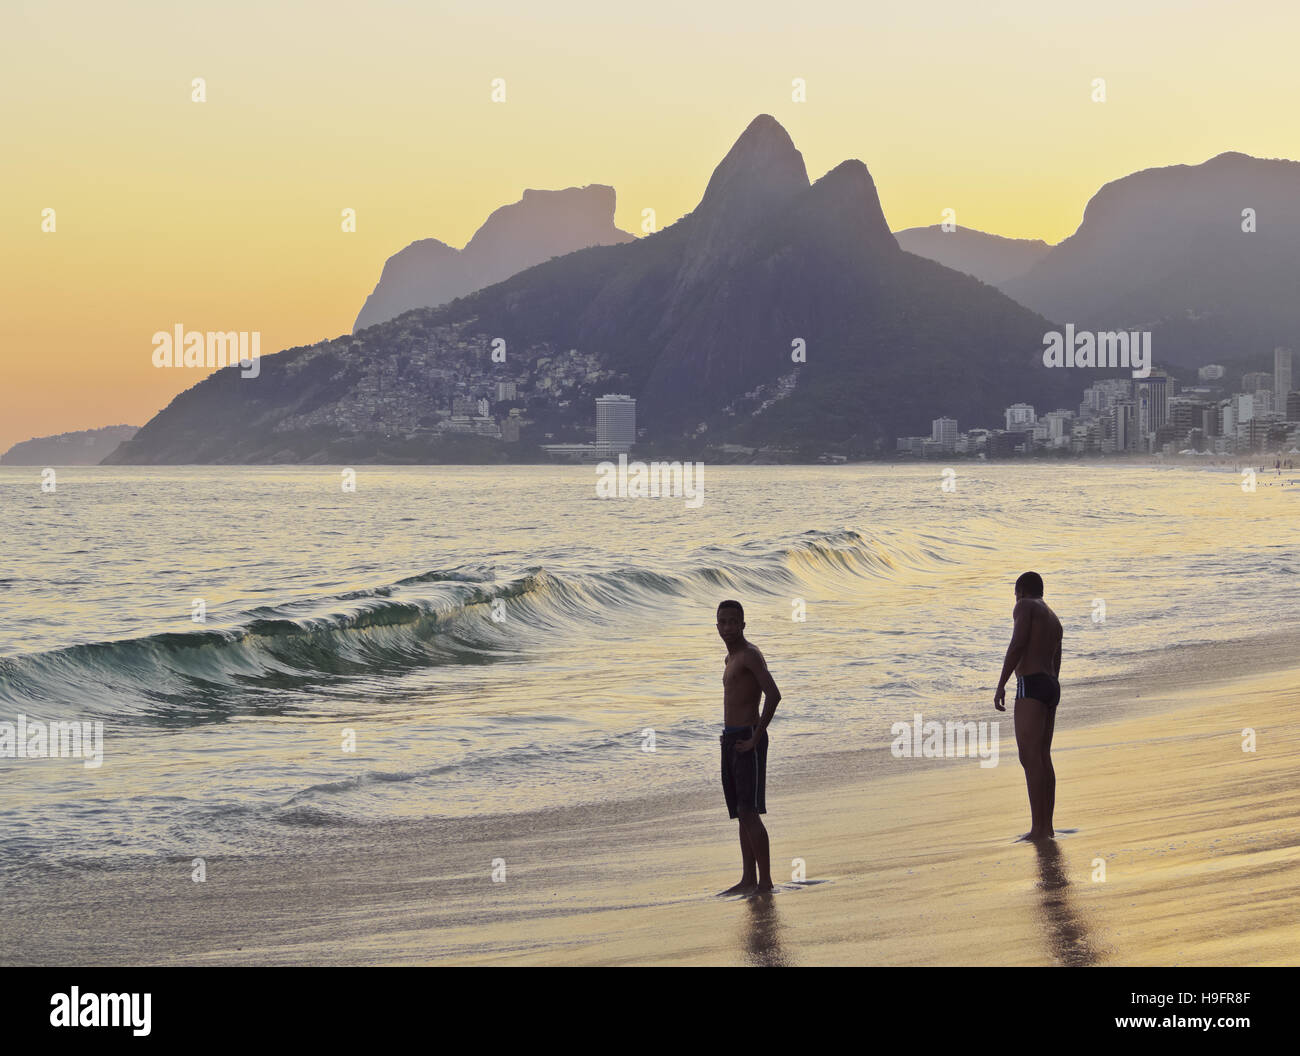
689	320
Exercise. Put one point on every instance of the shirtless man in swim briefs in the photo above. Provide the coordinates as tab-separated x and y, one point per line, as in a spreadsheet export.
1035	656
745	678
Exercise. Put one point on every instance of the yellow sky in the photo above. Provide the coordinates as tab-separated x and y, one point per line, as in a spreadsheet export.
226	214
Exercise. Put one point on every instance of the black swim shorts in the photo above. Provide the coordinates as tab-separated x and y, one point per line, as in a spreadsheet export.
1041	687
744	774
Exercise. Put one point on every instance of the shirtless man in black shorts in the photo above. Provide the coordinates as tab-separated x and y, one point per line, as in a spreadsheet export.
1035	656
745	678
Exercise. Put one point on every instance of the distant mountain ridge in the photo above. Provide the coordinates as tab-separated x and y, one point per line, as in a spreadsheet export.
541	225
990	258
1164	250
84	447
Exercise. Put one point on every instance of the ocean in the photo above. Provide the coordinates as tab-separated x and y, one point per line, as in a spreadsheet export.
460	642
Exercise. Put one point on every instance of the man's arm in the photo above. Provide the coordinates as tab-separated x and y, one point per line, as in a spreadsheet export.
771	697
1056	664
1015	650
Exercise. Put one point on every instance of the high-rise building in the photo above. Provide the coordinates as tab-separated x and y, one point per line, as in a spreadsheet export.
1126	431
1057	427
505	391
1185	415
1244	406
944	432
1005	445
1118	427
1211	372
1281	375
1293	406
1229	420
1256	434
615	424
1020	417
1151	395
1086	436
1102	396
1212	419
1256	380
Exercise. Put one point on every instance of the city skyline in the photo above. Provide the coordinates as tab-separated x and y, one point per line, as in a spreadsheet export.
1141	416
209	211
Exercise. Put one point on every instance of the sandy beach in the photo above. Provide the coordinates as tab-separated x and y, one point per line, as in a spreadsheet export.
1176	847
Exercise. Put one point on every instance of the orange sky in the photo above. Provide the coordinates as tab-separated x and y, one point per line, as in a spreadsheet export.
226	214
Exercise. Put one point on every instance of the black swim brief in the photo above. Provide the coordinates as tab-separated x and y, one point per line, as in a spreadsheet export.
1041	687
744	774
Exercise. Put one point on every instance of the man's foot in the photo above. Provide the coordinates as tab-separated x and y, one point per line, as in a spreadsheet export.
763	888
1033	836
743	888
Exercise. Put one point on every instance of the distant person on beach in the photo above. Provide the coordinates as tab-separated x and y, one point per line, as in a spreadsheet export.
745	678
1035	656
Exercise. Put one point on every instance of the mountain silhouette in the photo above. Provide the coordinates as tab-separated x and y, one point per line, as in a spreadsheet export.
705	310
541	225
990	258
1164	250
704	322
86	447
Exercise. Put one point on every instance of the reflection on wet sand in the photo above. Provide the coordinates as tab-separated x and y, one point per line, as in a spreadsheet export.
761	940
1067	935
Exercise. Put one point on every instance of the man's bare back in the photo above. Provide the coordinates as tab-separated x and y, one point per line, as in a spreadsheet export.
1043	642
1035	656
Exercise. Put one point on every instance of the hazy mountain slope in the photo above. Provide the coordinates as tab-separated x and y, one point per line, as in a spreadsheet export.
1164	250
541	225
990	258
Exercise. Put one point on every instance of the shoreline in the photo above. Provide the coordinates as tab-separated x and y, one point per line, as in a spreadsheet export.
902	866
1245	459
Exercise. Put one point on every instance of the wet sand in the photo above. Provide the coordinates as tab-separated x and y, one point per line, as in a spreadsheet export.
1186	851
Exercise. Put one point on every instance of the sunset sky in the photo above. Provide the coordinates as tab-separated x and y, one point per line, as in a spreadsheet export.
226	214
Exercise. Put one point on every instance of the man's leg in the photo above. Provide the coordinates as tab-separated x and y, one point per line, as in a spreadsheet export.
749	875
753	830
1049	773
748	878
1029	720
